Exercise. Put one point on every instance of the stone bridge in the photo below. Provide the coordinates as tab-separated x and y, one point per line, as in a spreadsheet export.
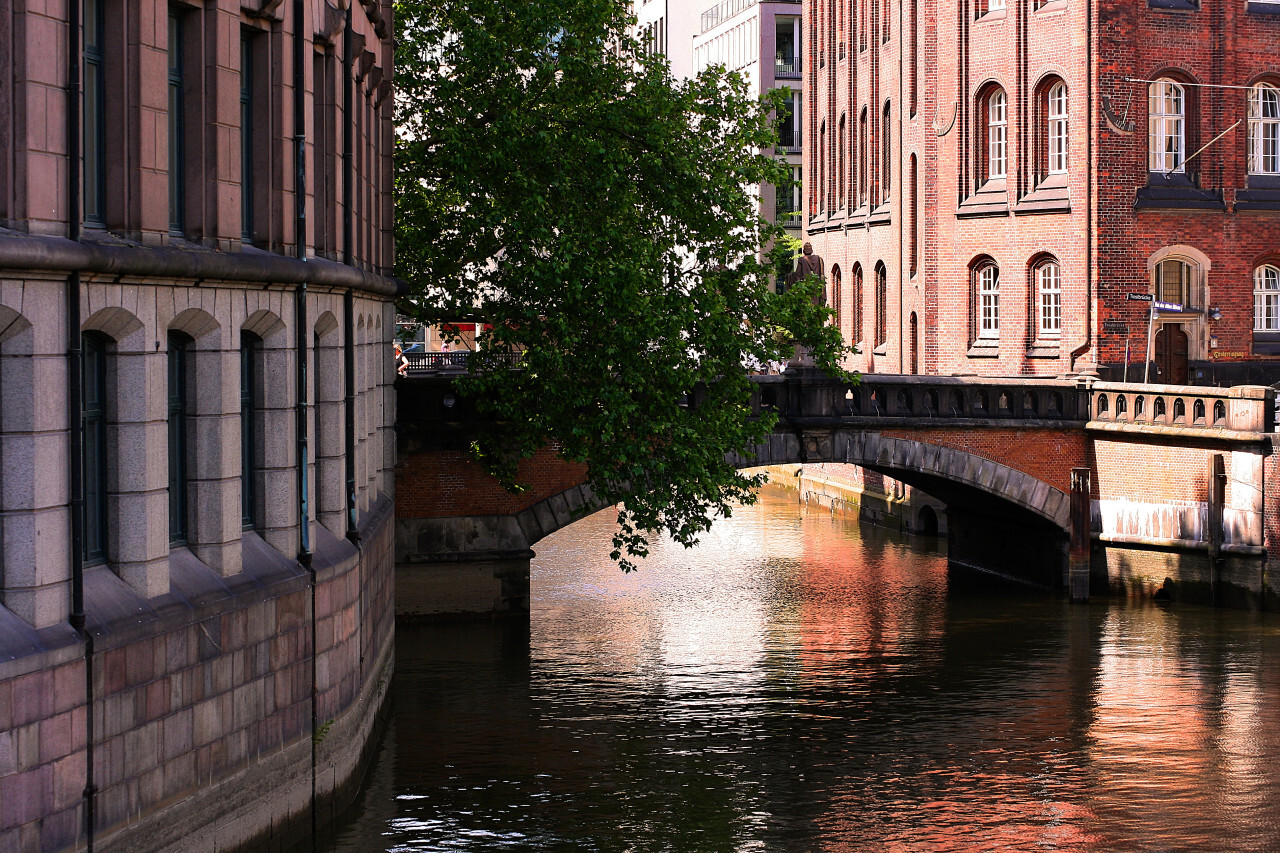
1140	489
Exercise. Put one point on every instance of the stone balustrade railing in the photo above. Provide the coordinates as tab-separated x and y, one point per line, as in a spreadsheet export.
1245	408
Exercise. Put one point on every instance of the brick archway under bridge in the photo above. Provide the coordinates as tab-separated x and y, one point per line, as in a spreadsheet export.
999	452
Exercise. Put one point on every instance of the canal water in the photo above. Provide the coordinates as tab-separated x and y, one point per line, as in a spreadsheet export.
802	683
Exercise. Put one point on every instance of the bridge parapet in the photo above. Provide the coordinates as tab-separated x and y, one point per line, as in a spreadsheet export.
807	395
1245	411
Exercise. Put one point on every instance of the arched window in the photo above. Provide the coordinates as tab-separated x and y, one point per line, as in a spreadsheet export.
986	287
862	158
914	51
837	298
93	390
997	135
1166	122
882	304
1048	279
840	163
886	154
913	224
1266	298
1264	130
885	18
179	500
856	332
1173	281
250	403
1056	132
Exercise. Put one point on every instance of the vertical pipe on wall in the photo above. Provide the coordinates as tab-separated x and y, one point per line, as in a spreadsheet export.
348	301
75	414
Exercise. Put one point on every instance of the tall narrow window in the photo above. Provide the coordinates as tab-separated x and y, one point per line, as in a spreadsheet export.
885	18
1057	130
94	448
913	238
1266	298
988	302
1167	108
1264	130
886	155
857	303
178	498
882	305
997	135
862	158
92	111
1049	299
822	162
840	164
177	158
246	138
837	298
250	382
913	51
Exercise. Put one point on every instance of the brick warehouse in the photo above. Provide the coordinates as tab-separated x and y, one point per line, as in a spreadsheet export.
990	182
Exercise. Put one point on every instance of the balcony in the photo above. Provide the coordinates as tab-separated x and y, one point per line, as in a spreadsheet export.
786	67
789	139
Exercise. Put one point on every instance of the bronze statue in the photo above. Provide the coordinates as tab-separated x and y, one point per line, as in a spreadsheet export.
810	264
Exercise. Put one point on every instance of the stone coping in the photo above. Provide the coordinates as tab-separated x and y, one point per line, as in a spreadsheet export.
19	251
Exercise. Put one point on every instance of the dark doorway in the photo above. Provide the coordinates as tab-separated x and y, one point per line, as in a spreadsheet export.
1171	354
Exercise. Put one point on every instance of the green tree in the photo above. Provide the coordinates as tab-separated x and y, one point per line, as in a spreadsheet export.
558	186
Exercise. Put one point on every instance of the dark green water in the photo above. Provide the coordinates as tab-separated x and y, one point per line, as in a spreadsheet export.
800	683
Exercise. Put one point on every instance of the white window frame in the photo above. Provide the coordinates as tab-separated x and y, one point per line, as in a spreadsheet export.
1264	130
989	302
1167	127
997	135
1058	128
1049	299
1266	298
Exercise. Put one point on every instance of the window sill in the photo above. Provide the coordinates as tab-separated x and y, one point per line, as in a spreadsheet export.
881	349
1177	192
1266	343
1053	7
1047	348
1052	195
984	348
1174	5
991	199
1263	8
991	17
880	216
1259	199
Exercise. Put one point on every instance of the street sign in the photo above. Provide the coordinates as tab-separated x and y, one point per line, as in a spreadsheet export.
1139	297
1168	307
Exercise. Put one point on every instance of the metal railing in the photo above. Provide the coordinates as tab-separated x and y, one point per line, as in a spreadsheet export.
435	362
722	12
785	67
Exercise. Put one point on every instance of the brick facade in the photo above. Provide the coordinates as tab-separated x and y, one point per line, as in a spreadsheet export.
1104	223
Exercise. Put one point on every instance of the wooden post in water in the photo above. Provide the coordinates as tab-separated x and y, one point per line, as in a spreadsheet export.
1078	559
1217	501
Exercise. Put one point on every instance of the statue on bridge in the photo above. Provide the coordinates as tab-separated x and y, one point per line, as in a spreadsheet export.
809	264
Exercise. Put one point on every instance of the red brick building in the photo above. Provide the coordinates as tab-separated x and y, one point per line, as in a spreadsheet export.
990	182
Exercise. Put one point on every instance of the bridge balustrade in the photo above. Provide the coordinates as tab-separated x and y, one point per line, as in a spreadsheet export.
1241	409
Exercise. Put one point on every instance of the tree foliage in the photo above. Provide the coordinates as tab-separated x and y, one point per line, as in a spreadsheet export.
597	216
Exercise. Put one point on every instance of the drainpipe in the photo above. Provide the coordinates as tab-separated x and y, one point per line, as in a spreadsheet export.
1090	314
75	406
301	343
348	300
904	274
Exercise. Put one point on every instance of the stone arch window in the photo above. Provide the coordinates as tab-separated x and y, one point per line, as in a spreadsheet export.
858	297
913	224
882	304
1266	309
327	380
122	386
1167	115
1173	281
1052	128
985	300
1046	279
1264	130
268	431
178	409
992	154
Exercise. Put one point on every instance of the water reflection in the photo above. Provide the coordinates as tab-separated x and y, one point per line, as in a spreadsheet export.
798	683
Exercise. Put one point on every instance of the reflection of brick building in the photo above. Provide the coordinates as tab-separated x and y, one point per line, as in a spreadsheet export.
989	181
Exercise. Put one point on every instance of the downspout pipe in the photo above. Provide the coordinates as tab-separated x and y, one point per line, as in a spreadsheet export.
1090	314
75	406
348	300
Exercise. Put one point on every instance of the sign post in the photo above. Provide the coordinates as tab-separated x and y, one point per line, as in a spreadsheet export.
1151	320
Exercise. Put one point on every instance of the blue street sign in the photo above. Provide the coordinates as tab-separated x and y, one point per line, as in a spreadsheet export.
1168	307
